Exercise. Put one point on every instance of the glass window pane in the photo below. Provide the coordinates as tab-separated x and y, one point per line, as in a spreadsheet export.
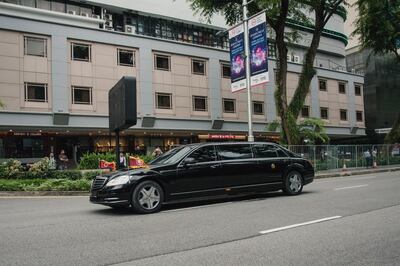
198	67
265	151
80	52
35	92
231	152
258	108
305	111
229	106
162	62
200	103
324	113
204	154
35	46
82	95
163	101
126	57
226	71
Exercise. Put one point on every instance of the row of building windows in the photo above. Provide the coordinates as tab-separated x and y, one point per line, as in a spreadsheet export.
341	87
324	113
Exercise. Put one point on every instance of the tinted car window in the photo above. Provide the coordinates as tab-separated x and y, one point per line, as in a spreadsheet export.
204	154
171	156
281	153
265	151
231	152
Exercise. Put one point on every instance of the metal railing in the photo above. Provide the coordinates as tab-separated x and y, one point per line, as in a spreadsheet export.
330	157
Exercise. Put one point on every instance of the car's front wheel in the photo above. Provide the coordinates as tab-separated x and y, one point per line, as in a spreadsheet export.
293	184
147	197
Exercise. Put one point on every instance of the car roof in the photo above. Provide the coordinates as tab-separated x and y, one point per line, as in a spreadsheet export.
232	143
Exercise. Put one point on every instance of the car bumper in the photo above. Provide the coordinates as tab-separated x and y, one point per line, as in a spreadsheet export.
112	196
308	177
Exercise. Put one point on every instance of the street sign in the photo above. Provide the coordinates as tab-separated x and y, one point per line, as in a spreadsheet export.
258	50
237	57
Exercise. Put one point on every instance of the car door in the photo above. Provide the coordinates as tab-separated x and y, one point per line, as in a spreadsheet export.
197	174
271	162
237	164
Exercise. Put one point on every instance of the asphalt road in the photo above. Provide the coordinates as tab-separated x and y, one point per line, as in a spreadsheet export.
337	221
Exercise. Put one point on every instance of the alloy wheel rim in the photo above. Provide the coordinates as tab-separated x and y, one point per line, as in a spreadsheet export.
149	197
295	183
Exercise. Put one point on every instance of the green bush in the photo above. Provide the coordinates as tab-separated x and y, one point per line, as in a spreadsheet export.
90	175
91	160
10	168
44	185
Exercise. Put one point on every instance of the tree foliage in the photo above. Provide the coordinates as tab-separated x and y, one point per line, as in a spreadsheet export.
278	13
378	25
394	134
311	131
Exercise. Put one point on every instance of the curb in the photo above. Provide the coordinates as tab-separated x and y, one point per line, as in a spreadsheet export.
360	172
85	193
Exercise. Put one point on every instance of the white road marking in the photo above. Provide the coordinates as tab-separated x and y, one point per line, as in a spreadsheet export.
342	188
298	225
197	207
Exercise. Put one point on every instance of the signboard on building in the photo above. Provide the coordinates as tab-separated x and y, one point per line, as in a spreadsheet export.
237	57
258	50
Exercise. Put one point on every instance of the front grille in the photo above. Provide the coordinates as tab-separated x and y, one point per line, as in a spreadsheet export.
98	182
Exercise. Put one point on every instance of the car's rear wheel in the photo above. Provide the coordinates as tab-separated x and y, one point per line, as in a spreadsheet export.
147	197
293	184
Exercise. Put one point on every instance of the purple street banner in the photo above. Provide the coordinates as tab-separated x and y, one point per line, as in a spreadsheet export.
238	62
258	50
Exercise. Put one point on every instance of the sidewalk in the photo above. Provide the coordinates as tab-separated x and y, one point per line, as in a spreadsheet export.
356	171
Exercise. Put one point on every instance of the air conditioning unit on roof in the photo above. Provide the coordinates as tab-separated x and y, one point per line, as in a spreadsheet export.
130	29
96	16
108	17
83	14
289	58
72	12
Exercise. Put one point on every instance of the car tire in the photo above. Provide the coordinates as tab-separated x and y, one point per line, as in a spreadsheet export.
147	197
293	183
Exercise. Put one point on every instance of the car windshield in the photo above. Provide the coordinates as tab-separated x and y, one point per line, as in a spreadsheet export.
171	156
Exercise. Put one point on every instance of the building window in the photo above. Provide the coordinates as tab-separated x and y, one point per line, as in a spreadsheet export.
305	111
322	85
343	114
228	105
198	67
80	52
200	103
271	50
226	71
162	62
359	116
342	87
81	95
35	46
324	113
126	57
163	101
36	92
357	90
258	108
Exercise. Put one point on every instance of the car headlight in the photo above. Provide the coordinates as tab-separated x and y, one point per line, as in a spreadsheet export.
120	180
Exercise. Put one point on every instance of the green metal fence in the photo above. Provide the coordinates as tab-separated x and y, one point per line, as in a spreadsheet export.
329	157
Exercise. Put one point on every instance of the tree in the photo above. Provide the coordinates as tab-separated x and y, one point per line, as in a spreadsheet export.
311	131
378	26
278	13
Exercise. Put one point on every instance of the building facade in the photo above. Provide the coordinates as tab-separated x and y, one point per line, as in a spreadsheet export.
59	59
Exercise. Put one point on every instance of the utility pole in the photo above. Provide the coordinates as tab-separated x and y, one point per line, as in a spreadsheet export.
247	56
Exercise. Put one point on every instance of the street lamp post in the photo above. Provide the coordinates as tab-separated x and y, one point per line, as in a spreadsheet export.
247	56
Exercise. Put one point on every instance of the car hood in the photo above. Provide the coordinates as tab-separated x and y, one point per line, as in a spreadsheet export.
137	172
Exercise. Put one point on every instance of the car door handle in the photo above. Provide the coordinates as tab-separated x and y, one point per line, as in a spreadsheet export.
214	166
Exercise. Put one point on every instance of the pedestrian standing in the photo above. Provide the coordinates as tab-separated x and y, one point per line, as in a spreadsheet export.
367	156
63	158
374	157
157	152
122	161
52	162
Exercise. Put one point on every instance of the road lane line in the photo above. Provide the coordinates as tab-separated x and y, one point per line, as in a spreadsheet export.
298	225
342	188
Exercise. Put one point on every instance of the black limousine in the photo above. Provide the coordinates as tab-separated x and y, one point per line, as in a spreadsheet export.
204	171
